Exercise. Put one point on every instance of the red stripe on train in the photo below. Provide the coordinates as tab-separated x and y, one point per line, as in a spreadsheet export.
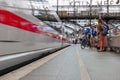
11	19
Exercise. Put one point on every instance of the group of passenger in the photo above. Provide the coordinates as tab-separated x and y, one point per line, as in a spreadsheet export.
96	36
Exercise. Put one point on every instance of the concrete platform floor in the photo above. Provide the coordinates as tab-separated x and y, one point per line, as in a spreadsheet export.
74	63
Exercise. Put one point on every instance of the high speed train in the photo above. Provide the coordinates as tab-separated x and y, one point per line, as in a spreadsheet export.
23	36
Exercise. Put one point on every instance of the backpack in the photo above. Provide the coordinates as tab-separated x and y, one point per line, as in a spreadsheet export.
105	29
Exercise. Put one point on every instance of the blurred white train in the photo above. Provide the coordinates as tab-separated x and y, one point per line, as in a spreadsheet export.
21	32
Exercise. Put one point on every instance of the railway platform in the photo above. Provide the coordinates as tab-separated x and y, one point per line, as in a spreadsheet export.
71	63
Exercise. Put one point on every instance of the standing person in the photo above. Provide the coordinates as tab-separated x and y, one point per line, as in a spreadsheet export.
76	40
92	38
87	35
88	40
99	29
101	33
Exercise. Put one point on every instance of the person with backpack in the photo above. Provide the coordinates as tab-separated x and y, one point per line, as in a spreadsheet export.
102	33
